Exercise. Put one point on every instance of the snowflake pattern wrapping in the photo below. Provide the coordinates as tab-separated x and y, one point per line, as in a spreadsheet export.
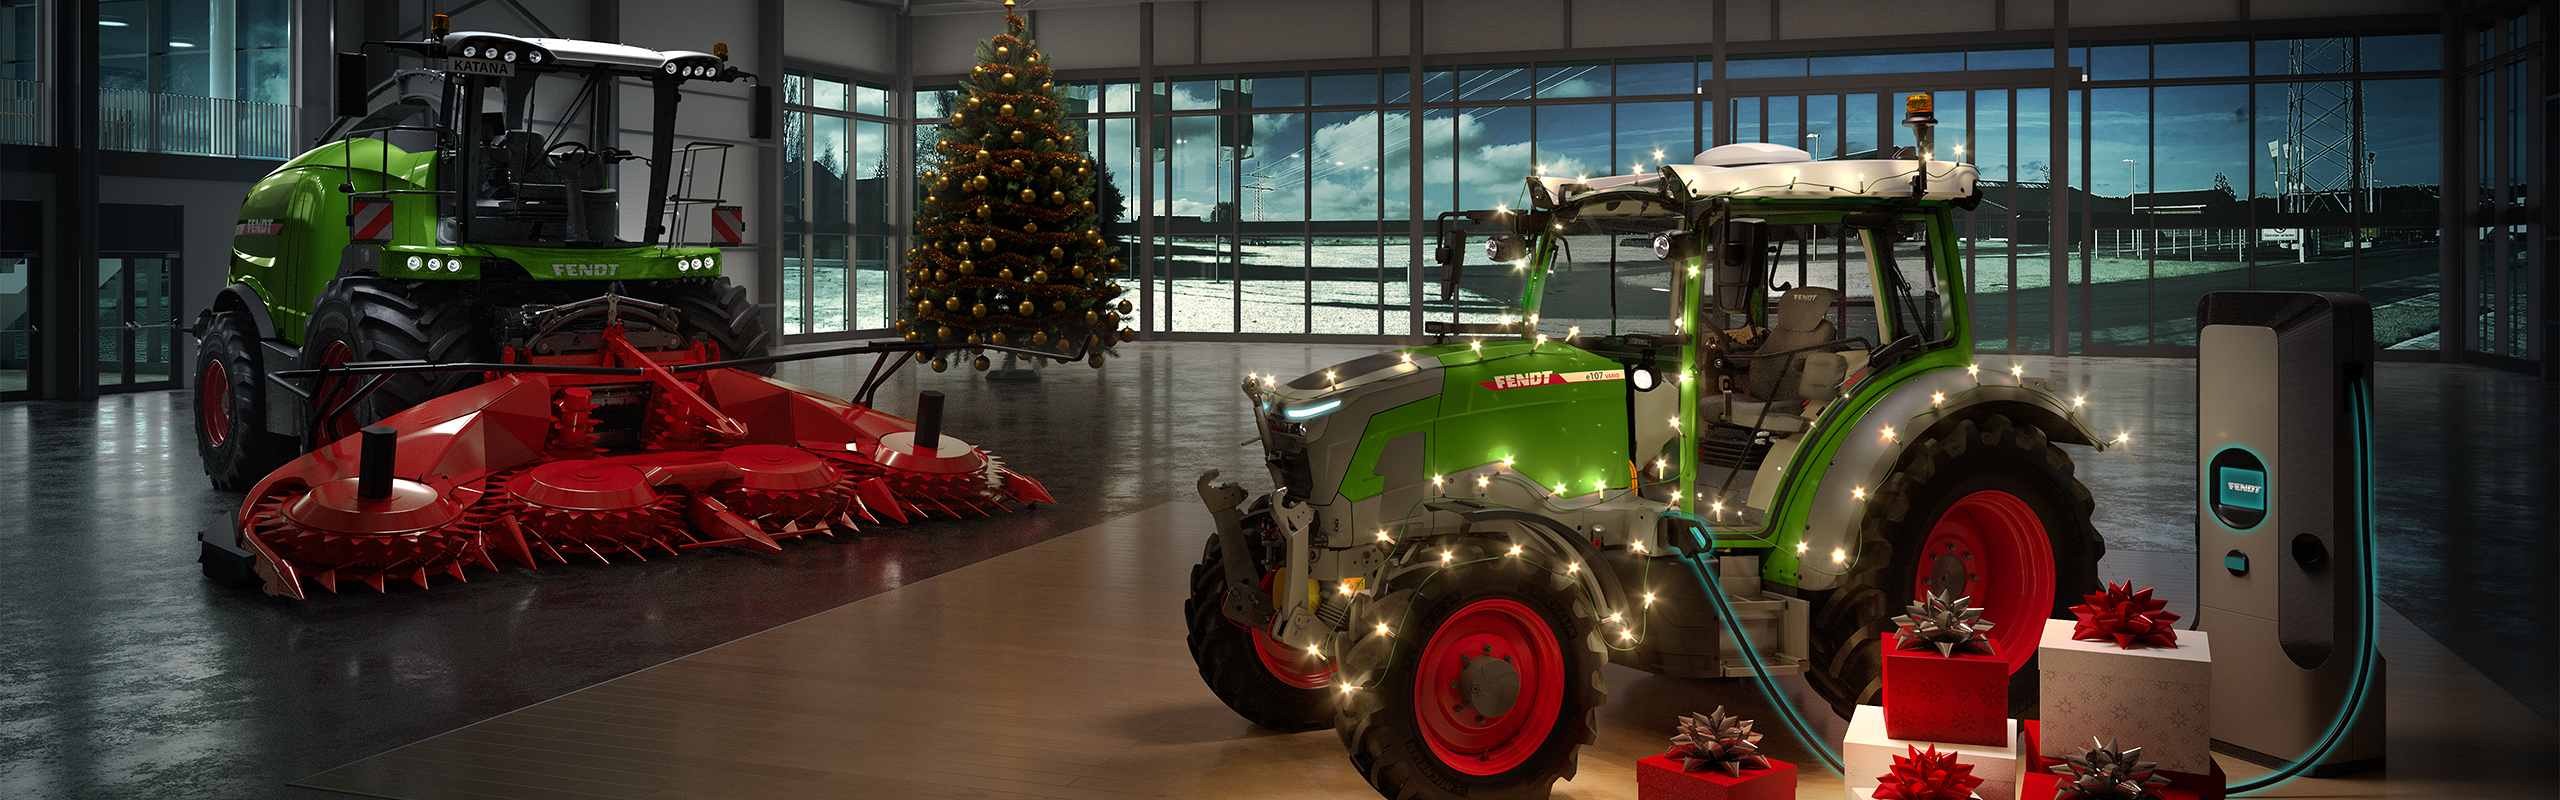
2103	772
1717	741
2129	617
1927	775
1945	624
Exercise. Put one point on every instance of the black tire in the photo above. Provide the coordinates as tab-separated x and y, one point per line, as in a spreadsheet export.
380	319
1378	720
1988	452
716	311
1233	667
231	408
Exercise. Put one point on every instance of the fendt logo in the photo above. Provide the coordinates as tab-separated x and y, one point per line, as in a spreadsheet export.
1527	379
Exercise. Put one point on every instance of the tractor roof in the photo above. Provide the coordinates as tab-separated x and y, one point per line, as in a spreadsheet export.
1762	172
578	54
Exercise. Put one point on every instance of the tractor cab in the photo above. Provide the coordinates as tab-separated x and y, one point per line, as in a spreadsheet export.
1783	283
518	128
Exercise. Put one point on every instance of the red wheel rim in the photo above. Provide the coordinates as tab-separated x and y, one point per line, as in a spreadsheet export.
1991	547
1473	742
1291	665
334	391
213	402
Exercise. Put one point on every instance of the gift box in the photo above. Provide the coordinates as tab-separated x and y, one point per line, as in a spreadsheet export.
1868	752
2209	785
2155	698
1659	778
1958	699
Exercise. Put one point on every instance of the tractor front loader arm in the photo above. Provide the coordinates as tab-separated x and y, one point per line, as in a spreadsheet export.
1247	604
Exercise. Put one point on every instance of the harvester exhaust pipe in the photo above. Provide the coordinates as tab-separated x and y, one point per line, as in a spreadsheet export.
928	421
373	471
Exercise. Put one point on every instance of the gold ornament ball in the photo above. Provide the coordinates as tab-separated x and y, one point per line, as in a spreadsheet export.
968	267
1115	265
1039	337
973	102
1030	227
996	338
1029	195
1057	252
987	244
1110	319
979	310
914	292
1008	79
1058	198
1094	362
912	336
1017	137
1128	335
1088	206
973	339
939	364
985	212
1057	172
1094	234
1093	318
1006	110
1017	163
1124	306
1028	309
1056	306
951	304
1040	276
1004	52
984	157
940	276
1082	172
1048	85
980	363
942	332
1076	271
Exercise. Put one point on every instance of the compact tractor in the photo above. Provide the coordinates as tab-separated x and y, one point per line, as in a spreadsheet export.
1461	534
438	349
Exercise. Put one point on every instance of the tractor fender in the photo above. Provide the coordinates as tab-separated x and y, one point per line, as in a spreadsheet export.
244	299
1865	455
1557	540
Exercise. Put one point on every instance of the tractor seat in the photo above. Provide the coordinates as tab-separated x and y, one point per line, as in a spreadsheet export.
1779	384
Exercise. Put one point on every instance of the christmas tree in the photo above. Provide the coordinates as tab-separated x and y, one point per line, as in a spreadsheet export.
1009	249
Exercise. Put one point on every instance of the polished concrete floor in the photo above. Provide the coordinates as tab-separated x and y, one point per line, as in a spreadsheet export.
124	675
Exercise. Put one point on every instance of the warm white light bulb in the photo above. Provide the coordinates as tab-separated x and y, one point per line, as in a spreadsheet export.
1858	493
1839	556
1383	537
1937	398
1515	551
1382	629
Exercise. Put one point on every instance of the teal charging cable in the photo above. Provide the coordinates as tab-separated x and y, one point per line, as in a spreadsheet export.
1787	713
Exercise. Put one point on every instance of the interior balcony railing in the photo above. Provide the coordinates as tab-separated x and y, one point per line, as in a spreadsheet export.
154	122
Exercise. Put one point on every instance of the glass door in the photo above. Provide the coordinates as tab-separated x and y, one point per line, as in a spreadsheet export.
137	321
17	326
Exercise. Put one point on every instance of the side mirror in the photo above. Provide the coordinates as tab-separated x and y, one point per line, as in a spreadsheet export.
1506	247
351	86
1451	255
762	126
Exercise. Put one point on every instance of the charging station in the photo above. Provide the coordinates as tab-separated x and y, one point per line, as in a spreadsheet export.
2283	423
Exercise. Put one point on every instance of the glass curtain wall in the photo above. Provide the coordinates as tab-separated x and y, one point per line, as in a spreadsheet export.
204	78
836	222
2287	164
2500	97
1281	201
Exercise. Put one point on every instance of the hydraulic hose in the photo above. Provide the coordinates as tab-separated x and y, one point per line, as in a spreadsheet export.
2359	404
1787	712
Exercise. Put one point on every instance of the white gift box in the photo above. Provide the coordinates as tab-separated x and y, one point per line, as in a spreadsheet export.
1868	754
2154	698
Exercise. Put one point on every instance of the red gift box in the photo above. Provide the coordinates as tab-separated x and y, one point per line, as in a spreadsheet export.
1959	699
1659	778
2182	785
2208	786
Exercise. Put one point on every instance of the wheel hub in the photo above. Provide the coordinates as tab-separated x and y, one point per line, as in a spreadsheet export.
1990	546
213	402
1490	685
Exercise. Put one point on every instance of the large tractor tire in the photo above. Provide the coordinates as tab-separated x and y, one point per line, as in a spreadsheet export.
367	318
716	311
1478	677
1275	686
1985	508
231	408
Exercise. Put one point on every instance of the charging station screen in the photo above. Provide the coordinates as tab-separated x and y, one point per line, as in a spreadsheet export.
2239	495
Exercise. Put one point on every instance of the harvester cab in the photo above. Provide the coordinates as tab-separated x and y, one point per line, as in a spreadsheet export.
1719	419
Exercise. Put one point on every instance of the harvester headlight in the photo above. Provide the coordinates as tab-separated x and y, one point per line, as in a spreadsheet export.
470	52
708	262
435	264
1312	411
415	262
510	56
534	57
670	67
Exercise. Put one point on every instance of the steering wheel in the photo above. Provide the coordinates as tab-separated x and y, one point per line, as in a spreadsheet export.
554	152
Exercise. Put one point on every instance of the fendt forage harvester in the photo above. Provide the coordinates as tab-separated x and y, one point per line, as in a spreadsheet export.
1461	534
437	350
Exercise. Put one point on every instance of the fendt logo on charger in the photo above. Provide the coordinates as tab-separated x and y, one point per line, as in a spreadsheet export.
1527	379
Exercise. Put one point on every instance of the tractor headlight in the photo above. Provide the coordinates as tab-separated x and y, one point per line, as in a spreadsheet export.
1670	245
415	262
1506	247
1311	411
1643	378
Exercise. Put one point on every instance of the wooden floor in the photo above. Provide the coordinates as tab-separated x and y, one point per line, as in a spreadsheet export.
1058	671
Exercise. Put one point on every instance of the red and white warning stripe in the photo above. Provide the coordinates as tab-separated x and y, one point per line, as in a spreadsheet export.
372	220
729	222
1524	380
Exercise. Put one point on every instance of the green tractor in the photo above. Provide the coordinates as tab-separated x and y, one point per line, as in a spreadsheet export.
454	215
1461	534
